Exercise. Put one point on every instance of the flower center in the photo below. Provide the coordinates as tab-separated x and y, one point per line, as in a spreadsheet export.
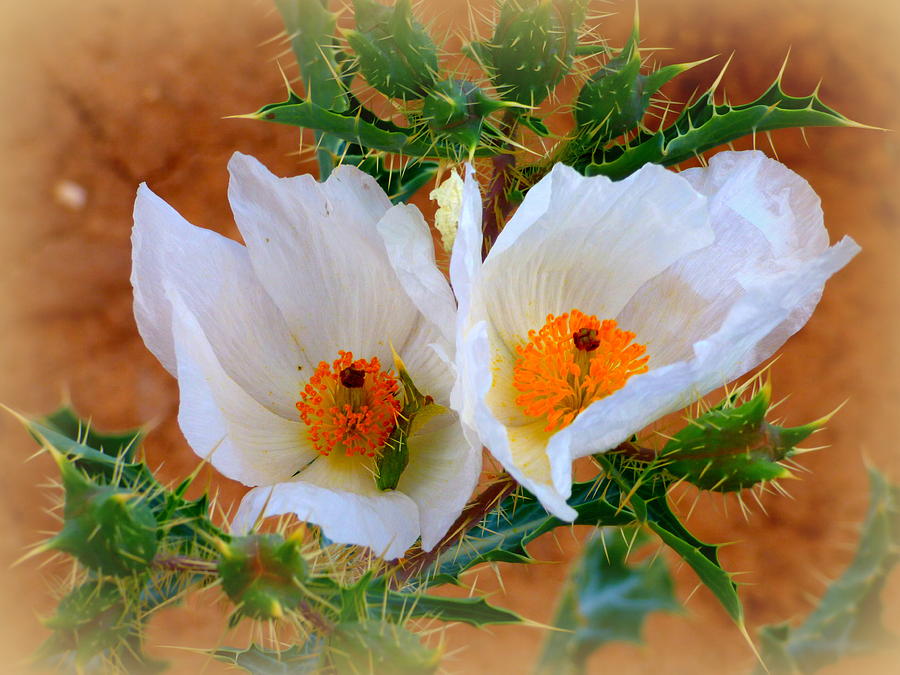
572	361
349	406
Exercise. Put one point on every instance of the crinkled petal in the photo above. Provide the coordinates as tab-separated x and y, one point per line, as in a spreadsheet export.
766	219
214	277
387	522
441	475
597	245
768	301
316	250
224	424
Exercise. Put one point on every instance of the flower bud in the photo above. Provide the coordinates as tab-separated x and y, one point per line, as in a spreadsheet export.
731	448
532	48
456	109
262	573
396	55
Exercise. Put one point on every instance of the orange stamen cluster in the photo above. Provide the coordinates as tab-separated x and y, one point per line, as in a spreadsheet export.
572	361
350	406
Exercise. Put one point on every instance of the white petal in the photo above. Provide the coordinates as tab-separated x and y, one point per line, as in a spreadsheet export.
441	475
465	260
591	251
465	263
766	219
767	303
214	277
527	467
388	522
316	250
222	422
411	251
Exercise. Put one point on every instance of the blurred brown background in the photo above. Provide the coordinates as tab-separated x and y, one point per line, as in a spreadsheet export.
101	94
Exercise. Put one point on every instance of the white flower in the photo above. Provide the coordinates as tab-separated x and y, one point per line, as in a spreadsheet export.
661	287
260	338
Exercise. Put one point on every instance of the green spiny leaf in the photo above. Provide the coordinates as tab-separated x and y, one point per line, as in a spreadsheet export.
94	623
105	527
310	27
702	126
504	533
374	647
399	184
604	600
370	598
647	490
120	444
303	659
847	620
616	97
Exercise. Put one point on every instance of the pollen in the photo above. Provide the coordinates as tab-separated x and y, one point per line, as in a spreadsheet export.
570	362
350	406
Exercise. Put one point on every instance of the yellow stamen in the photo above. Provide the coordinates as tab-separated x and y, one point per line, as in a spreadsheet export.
572	361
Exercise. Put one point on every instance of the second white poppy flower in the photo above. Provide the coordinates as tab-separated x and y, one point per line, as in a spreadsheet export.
603	305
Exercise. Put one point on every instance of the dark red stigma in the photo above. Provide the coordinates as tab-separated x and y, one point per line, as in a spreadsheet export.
585	339
353	378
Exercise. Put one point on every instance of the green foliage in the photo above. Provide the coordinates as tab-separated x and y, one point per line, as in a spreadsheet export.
183	524
733	447
627	493
121	445
107	528
456	112
417	409
396	55
310	27
94	624
847	620
364	130
532	47
616	97
371	597
605	600
262	574
374	647
118	521
701	126
298	660
401	183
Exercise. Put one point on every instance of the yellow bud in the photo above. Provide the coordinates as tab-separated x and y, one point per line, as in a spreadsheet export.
449	199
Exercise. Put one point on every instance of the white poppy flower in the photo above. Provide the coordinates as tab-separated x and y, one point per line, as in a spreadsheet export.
603	305
282	350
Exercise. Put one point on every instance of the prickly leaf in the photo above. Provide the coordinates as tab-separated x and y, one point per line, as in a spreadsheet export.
372	647
847	620
605	599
